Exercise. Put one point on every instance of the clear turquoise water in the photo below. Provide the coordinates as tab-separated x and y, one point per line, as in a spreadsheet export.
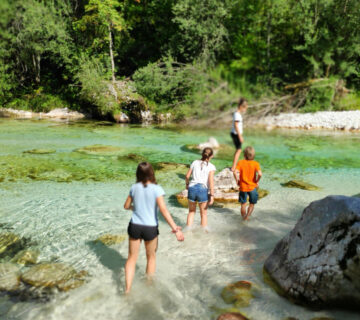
64	217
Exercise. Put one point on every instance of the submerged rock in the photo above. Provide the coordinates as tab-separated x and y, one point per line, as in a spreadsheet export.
226	191
132	157
300	184
50	275
26	257
170	166
40	151
9	277
99	150
110	239
318	262
238	293
232	316
10	244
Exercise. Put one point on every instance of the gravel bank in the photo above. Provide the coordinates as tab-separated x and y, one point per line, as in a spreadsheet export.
333	120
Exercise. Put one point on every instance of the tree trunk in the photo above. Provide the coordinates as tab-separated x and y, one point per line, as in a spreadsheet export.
111	55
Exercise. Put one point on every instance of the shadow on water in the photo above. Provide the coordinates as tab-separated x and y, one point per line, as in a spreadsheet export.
111	259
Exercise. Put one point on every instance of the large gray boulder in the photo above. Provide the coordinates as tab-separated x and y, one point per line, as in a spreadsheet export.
318	262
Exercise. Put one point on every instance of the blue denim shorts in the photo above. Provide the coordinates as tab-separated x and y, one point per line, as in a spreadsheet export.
198	192
253	196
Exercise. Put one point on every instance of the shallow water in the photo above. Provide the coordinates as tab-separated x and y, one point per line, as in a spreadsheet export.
64	200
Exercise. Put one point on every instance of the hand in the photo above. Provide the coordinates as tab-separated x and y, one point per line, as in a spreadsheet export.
179	235
241	139
211	200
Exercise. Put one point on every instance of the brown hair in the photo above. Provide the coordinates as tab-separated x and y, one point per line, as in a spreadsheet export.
249	153
145	173
206	154
242	102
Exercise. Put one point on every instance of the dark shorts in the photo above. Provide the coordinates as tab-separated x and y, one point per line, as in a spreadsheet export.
138	231
253	196
235	138
198	193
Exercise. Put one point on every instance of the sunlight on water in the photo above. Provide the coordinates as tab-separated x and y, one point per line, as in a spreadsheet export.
65	200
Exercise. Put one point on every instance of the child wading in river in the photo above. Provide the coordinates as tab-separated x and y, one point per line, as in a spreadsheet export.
249	175
144	199
202	179
237	130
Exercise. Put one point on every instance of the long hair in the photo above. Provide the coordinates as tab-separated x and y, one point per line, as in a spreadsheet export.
145	173
206	154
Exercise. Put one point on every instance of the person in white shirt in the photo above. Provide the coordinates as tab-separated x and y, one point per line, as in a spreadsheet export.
202	179
237	130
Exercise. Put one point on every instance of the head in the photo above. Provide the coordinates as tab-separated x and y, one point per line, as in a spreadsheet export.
249	153
145	173
207	154
242	105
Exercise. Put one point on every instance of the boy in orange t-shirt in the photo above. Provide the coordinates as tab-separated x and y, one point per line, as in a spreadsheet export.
248	180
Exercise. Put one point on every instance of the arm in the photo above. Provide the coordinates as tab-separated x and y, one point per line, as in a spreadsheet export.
236	176
128	203
167	216
211	185
258	176
187	178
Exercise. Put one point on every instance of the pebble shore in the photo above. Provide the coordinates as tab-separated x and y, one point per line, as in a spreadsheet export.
333	120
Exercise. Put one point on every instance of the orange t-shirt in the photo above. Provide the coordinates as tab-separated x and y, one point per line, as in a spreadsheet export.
247	169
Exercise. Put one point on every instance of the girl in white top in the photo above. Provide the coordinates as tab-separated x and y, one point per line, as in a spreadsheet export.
202	180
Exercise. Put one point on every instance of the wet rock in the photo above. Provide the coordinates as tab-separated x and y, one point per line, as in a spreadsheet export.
40	151
58	175
170	166
232	316
51	275
300	185
26	257
63	113
10	244
132	157
99	150
226	191
211	143
238	293
121	118
318	262
9	277
110	239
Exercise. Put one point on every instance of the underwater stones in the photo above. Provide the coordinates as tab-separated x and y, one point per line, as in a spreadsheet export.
26	257
50	275
58	175
9	277
300	185
232	316
10	244
238	293
132	157
170	166
99	150
110	239
318	263
40	151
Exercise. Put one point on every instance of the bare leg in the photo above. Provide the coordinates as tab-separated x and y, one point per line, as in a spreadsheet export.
250	209
151	247
236	159
203	213
243	210
192	210
134	245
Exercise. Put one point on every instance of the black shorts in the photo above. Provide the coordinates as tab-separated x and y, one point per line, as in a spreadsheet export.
138	231
235	138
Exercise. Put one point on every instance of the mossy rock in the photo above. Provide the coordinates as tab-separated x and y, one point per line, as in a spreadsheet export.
99	150
10	244
132	157
239	293
51	275
9	277
40	151
170	166
111	239
58	175
300	185
26	257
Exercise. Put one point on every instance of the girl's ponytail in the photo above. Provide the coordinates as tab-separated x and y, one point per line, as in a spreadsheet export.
206	154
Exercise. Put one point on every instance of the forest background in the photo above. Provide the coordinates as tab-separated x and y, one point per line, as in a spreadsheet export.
189	58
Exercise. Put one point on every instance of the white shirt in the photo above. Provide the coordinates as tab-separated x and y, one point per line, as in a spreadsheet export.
237	120
200	172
